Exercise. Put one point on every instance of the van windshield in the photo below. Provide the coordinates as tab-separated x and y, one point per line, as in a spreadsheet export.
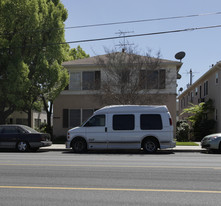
96	121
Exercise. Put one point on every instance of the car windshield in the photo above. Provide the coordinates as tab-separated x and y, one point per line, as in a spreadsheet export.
29	129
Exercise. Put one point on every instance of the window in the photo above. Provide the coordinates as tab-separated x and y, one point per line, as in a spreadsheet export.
123	122
75	117
196	91
1	130
88	80
91	80
10	130
191	97
150	122
200	91
37	122
65	118
21	121
75	81
96	121
217	78
150	79
86	113
205	88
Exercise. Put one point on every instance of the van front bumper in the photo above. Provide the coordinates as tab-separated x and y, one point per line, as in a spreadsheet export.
68	145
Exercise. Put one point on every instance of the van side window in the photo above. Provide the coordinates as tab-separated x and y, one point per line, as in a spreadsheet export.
151	122
123	122
96	121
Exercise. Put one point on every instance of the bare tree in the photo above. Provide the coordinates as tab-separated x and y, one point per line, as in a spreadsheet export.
130	78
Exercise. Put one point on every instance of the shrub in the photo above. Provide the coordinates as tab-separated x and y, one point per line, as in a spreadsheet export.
182	131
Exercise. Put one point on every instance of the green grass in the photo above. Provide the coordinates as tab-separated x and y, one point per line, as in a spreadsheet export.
186	144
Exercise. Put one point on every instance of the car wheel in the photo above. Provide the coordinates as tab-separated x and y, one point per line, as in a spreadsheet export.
150	146
22	146
79	145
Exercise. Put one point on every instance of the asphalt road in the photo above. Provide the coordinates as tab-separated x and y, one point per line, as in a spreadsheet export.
94	179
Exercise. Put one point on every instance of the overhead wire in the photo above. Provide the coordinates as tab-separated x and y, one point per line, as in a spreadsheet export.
127	36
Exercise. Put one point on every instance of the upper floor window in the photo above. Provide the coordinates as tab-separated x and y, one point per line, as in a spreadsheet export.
206	84
153	79
86	80
217	78
196	91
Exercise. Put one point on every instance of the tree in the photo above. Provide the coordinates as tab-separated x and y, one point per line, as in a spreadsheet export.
201	122
78	53
30	55
129	76
50	95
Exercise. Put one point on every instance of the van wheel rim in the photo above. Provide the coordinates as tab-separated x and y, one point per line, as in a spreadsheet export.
78	146
150	146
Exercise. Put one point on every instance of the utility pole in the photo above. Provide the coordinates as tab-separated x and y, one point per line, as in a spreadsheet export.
191	77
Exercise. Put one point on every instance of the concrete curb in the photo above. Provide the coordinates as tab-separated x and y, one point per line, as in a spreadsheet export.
61	147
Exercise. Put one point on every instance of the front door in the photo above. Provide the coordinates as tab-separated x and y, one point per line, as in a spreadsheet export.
95	129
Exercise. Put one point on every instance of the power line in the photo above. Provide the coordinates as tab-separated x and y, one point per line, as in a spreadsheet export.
143	20
127	36
145	34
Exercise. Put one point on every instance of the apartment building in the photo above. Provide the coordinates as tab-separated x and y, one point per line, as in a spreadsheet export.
205	88
19	117
75	104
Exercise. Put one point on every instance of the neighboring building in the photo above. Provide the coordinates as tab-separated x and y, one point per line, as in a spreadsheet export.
205	88
22	118
75	104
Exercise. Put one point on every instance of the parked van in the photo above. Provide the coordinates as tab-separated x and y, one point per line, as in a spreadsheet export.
124	127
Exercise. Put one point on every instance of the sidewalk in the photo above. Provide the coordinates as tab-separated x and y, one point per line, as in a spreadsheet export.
61	147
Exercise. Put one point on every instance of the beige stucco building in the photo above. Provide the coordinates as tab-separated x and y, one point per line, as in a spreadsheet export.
19	117
75	104
205	88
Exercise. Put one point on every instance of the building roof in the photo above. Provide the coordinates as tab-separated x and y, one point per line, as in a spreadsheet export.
202	78
91	61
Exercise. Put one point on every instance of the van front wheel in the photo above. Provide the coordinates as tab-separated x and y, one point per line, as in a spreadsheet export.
79	145
150	146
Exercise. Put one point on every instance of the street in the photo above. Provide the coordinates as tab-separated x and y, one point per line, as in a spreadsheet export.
108	178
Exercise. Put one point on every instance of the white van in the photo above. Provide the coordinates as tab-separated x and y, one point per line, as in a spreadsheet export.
124	127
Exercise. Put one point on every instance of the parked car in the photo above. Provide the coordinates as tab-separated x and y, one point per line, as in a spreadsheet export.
212	142
124	127
22	138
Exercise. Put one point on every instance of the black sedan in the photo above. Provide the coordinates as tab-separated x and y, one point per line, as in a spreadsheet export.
22	138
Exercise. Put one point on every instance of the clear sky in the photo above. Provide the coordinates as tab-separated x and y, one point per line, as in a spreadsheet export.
202	47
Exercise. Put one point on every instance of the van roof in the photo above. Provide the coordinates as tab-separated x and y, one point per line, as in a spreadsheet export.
132	108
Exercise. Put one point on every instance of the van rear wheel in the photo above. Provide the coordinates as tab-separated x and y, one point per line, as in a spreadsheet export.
150	146
79	145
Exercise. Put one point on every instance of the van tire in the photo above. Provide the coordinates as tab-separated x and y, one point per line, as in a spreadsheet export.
150	146
79	145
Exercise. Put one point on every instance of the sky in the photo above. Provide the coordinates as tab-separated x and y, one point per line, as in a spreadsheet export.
202	47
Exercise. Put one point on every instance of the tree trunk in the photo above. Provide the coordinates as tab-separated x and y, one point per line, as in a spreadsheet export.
48	109
4	114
